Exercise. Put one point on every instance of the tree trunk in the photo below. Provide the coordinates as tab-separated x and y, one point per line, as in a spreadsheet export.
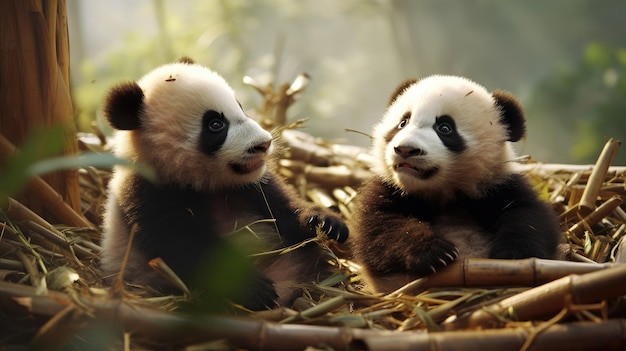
35	84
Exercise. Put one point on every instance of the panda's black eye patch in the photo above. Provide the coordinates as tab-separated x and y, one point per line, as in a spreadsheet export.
405	120
446	130
214	131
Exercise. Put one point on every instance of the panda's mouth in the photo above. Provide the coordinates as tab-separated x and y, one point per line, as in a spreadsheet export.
409	169
248	166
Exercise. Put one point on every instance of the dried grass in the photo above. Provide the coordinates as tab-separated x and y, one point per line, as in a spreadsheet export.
52	294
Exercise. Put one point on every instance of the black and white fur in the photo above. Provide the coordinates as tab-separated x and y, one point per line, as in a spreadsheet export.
183	120
445	187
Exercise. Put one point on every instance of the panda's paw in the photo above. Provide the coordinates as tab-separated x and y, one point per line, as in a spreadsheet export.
260	293
332	225
438	256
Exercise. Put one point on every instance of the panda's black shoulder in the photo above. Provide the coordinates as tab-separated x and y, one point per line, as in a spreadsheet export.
516	191
377	195
162	211
140	198
517	186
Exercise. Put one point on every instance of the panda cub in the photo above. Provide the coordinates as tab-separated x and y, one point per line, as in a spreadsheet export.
444	187
183	120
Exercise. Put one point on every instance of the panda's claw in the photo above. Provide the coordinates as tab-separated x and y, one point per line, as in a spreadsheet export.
334	228
428	260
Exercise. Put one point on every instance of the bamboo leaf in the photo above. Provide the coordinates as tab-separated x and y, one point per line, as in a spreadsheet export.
95	159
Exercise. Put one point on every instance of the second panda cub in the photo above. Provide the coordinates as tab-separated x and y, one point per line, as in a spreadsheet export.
444	187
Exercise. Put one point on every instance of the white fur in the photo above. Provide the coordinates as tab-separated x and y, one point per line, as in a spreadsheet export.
483	163
176	97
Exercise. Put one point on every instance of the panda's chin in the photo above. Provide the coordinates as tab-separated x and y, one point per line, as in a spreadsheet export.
246	168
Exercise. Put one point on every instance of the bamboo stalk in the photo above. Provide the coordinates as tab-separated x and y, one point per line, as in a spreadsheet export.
50	199
588	202
53	202
320	197
13	265
59	329
30	267
595	216
546	169
548	299
177	329
607	335
21	214
330	176
482	272
57	238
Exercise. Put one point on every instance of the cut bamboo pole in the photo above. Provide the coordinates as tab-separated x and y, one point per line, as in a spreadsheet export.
581	336
547	169
175	329
588	201
548	299
595	216
330	176
482	272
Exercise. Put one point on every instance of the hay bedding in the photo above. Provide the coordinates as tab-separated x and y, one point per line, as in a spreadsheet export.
52	296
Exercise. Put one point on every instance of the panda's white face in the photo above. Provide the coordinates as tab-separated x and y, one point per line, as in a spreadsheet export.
194	132
440	136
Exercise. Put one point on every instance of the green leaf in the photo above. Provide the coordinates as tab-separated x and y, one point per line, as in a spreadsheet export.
103	160
38	155
597	55
40	144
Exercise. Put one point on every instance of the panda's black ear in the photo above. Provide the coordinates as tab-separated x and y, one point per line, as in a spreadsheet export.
401	88
511	115
123	105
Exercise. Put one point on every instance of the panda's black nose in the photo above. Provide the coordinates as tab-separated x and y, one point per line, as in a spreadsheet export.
408	151
261	147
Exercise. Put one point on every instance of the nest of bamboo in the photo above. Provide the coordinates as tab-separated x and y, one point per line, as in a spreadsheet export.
52	295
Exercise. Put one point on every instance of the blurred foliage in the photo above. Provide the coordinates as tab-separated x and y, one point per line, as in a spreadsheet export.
356	51
235	39
175	37
38	156
585	103
41	144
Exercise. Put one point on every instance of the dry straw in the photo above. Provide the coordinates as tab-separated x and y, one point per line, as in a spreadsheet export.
52	292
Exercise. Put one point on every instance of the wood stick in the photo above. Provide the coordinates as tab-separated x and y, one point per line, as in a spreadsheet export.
21	214
545	169
51	200
592	218
548	299
255	334
607	335
483	272
588	201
